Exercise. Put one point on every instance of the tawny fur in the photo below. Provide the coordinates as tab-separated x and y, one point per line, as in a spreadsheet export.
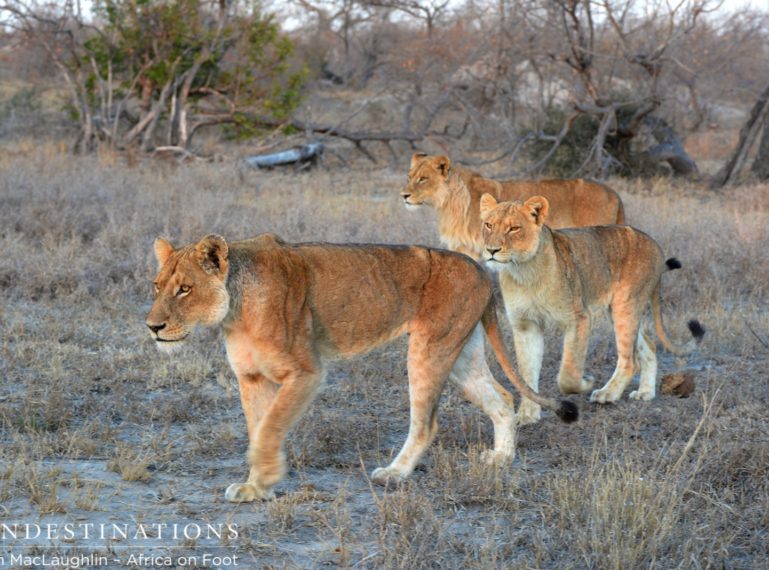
287	310
563	277
455	193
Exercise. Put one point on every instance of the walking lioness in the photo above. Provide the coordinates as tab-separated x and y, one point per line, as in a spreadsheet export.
286	310
455	193
561	277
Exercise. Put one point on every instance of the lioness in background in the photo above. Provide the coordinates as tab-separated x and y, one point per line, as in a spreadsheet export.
561	277
455	193
287	310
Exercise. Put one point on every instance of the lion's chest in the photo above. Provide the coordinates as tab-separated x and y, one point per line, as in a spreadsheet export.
539	301
243	354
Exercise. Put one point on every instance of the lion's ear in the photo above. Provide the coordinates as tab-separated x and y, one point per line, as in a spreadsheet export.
488	203
443	165
417	158
163	250
212	253
538	207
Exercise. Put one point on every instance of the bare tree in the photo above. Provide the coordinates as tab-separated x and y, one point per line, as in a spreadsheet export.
643	42
758	119
430	11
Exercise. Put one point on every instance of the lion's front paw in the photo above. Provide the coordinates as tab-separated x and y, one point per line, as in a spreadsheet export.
246	492
385	475
603	396
643	396
496	457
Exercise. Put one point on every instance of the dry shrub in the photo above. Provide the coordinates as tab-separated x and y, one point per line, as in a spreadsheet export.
411	534
464	478
633	509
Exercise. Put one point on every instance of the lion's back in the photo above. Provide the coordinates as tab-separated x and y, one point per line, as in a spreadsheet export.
573	202
610	254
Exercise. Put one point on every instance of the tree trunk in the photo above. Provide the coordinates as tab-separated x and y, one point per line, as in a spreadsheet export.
670	148
761	163
748	134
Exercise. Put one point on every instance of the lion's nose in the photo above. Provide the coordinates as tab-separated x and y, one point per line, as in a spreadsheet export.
156	328
493	250
405	196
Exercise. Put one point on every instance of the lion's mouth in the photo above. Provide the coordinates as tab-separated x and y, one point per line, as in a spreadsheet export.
494	264
171	340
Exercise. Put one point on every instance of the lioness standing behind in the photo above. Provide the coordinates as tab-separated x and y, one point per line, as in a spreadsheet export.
287	310
455	193
562	277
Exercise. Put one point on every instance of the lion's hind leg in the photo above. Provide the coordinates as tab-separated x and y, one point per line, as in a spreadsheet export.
472	375
429	363
646	353
626	318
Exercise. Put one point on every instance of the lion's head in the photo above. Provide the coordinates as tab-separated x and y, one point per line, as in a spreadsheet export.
189	289
428	181
511	230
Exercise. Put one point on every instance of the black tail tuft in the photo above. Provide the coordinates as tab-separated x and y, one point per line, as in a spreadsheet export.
673	263
568	412
697	330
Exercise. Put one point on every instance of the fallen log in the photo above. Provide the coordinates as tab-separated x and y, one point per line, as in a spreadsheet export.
298	154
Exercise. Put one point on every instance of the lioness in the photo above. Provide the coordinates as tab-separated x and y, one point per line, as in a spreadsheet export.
561	277
287	310
455	193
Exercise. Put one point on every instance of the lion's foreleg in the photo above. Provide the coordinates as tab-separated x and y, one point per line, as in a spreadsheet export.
529	341
265	451
472	375
571	375
256	395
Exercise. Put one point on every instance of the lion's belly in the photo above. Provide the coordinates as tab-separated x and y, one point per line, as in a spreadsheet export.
338	343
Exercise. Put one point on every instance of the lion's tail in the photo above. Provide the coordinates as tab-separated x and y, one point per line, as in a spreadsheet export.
564	409
697	330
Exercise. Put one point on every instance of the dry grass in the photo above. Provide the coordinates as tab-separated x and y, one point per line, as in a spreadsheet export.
97	424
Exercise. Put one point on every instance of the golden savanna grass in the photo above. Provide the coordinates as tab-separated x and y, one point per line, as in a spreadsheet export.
97	425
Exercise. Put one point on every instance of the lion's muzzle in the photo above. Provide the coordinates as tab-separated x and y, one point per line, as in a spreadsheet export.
161	342
407	202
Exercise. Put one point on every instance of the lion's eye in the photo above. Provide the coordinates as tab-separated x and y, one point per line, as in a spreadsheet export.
183	290
513	229
421	180
487	225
